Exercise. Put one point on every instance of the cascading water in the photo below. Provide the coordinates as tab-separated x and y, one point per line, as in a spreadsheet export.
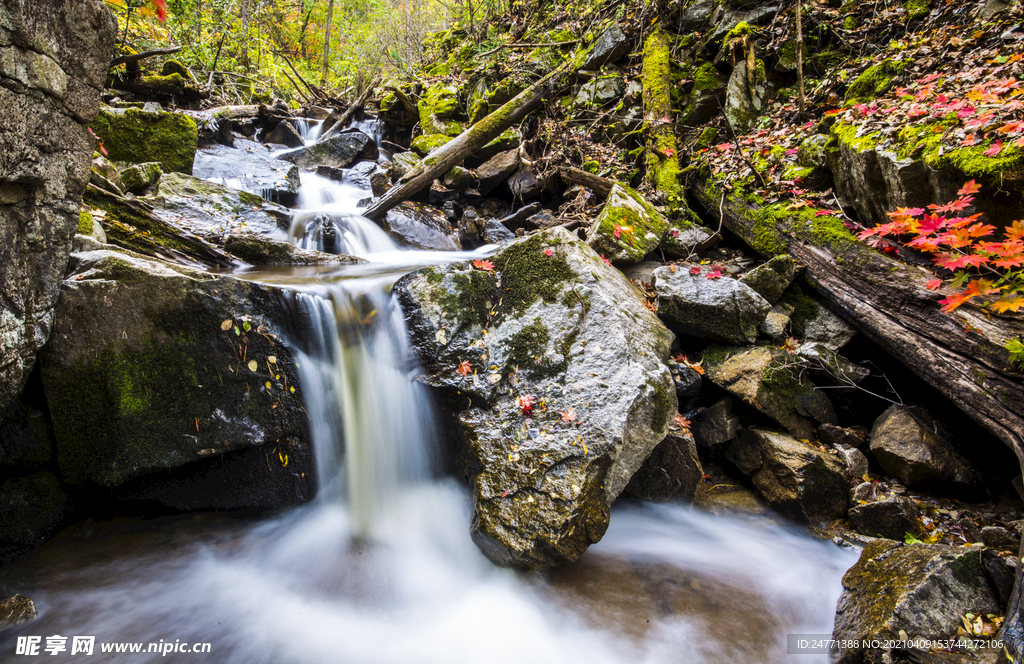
381	569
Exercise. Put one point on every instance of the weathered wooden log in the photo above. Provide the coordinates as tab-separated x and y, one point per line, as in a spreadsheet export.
440	161
333	124
599	185
135	57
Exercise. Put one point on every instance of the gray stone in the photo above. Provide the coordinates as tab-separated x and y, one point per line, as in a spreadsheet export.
339	151
829	329
794	478
403	163
911	447
610	47
53	61
139	177
570	332
922	590
769	380
775	325
722	309
496	233
893	517
716	424
771	279
742	103
518	218
685	240
285	134
380	180
496	169
672	472
259	250
524	184
835	436
108	172
854	460
31	509
140	375
599	92
830	368
249	166
627	228
1000	538
459	178
420	227
17	610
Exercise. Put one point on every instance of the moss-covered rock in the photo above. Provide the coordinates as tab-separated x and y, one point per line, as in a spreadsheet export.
874	82
151	367
662	154
427	143
138	177
628	227
138	136
438	105
259	250
555	327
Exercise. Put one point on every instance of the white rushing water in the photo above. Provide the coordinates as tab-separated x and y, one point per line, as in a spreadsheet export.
381	569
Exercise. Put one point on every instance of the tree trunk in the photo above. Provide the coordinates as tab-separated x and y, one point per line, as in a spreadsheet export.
662	151
441	160
327	43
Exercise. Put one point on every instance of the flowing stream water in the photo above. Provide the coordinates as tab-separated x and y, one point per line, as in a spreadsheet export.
380	567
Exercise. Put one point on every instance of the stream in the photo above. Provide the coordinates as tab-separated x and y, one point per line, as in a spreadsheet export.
380	568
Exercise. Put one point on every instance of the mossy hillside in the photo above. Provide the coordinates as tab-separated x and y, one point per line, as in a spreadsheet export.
151	380
874	82
640	226
136	136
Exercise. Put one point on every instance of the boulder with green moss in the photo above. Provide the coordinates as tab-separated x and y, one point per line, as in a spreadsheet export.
402	163
259	250
771	279
438	105
137	136
553	372
628	227
152	366
720	308
139	177
901	590
427	143
774	382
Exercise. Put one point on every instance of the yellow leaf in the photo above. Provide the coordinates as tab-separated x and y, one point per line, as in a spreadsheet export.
253	366
272	359
226	325
268	384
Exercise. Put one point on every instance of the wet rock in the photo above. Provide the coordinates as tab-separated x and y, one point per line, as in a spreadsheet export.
54	66
571	333
415	226
212	211
17	610
715	424
31	509
139	177
249	166
338	151
138	136
688	381
827	328
922	590
496	233
839	437
998	537
459	178
767	379
141	374
259	250
524	184
453	211
496	169
403	163
854	460
911	447
285	134
771	279
672	472
628	227
380	180
892	517
610	47
518	218
722	309
599	91
794	478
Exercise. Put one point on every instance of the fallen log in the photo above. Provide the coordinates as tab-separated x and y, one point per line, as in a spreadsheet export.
441	160
135	57
599	185
342	122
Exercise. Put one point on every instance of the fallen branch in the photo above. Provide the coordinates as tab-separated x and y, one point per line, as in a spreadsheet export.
599	185
346	117
548	45
135	57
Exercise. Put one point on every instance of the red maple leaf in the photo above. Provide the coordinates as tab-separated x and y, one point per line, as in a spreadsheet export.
695	270
994	150
526	403
934	284
161	9
970	187
465	368
486	266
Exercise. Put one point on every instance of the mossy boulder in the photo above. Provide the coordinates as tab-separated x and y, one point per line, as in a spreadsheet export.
138	136
153	366
139	177
599	92
438	105
721	309
772	381
551	330
427	143
259	250
628	227
770	280
920	590
874	82
402	163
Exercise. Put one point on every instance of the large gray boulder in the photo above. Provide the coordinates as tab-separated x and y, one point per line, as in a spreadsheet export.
795	478
921	590
910	446
721	309
772	381
610	47
153	366
892	517
249	166
416	226
338	151
53	61
563	397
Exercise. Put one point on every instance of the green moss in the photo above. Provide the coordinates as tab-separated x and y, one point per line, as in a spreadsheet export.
662	406
662	151
742	29
438	103
706	78
847	135
424	145
917	9
874	82
527	346
85	223
804	308
592	167
527	274
470	298
137	136
851	23
767	240
706	139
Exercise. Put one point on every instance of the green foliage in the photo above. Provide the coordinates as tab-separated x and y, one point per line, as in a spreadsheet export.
1016	350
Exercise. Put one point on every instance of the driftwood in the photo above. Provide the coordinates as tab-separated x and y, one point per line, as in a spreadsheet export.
135	57
346	117
599	185
441	160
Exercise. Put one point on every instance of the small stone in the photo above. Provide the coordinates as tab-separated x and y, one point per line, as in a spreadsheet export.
771	279
911	447
17	610
715	424
1000	538
855	461
892	518
838	437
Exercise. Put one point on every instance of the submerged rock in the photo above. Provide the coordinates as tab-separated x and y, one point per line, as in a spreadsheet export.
153	366
795	478
921	590
563	397
911	447
137	136
769	380
721	309
628	227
